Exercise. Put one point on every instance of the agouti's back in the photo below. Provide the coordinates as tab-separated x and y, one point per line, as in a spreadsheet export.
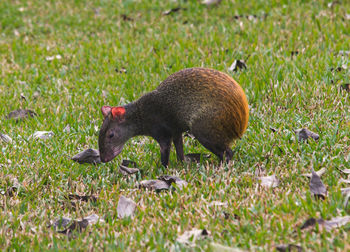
206	100
207	103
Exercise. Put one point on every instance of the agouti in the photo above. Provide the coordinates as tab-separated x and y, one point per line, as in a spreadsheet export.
205	102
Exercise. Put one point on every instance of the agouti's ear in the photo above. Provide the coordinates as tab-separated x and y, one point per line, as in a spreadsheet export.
118	113
106	110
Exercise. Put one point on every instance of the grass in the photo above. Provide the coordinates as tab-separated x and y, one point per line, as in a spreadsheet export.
93	39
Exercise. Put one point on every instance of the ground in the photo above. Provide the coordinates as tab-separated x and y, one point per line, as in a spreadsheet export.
65	59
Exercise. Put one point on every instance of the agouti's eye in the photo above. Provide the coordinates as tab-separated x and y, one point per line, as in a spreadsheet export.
111	135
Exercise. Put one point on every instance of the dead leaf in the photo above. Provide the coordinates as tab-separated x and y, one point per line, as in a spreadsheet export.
196	157
345	87
288	248
90	156
344	53
61	222
294	53
236	65
346	171
173	179
190	237
23	96
347	181
5	138
126	18
173	10
129	163
304	134
127	171
75	225
316	186
273	129
85	198
66	129
51	58
217	203
269	181
11	191
21	114
331	4
310	223
216	247
36	95
327	224
320	172
157	185
346	193
43	135
126	207
125	168
122	70
336	222
211	2
345	190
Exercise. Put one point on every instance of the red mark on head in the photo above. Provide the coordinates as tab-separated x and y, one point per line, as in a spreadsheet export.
118	112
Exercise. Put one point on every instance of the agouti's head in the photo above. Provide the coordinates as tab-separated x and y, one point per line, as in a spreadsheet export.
114	132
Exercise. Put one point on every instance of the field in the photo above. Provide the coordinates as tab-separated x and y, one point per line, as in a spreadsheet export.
65	59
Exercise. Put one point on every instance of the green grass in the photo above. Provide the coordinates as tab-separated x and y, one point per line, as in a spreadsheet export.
284	92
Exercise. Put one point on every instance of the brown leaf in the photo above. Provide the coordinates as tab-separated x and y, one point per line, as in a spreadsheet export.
125	168
11	191
288	247
127	171
304	134
344	53
126	18
121	70
91	156
75	225
211	2
294	53
316	186
195	157
173	10
21	114
66	129
189	237
269	181
273	129
345	87
173	179
126	207
85	198
320	172
43	135
5	138
327	224
157	185
216	247
346	171
236	65
129	163
310	223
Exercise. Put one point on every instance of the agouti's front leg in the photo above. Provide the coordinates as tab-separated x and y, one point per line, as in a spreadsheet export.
179	147
165	145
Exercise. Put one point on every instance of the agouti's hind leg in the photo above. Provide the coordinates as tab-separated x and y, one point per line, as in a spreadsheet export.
228	154
179	147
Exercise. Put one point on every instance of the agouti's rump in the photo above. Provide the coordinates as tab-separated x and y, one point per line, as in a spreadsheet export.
205	102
